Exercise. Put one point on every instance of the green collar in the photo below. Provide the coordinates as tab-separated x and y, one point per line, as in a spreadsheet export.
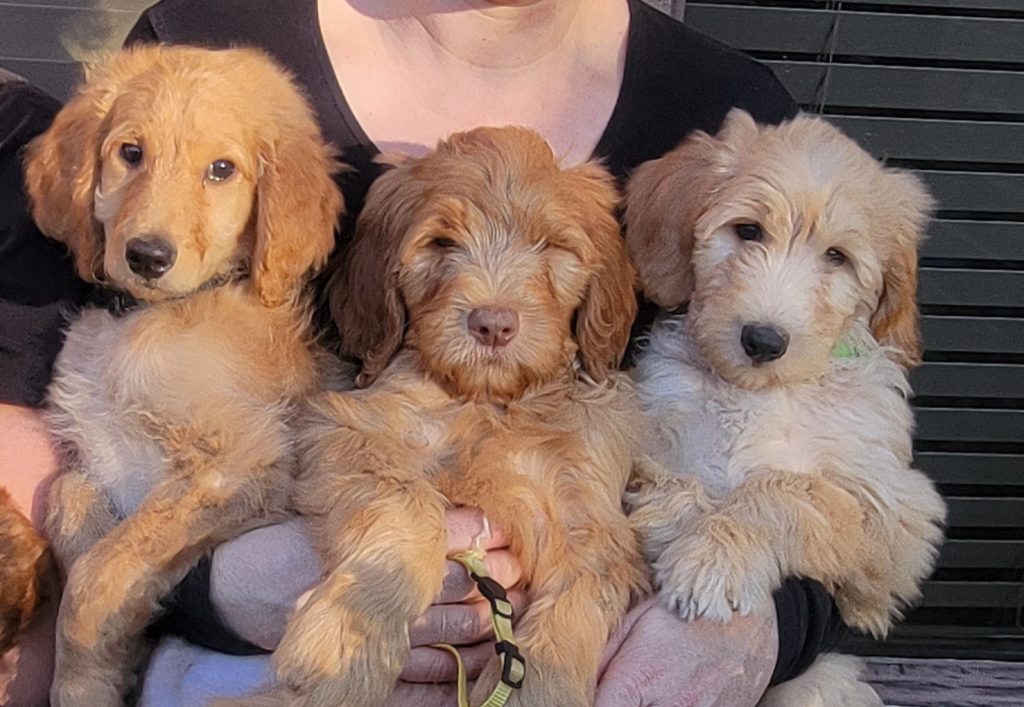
844	349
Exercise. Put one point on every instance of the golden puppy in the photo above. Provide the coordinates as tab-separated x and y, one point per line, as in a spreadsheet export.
779	400
489	296
196	182
23	561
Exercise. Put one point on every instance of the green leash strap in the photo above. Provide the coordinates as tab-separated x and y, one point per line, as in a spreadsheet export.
513	665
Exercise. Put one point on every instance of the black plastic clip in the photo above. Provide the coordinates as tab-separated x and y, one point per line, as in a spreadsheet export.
510	654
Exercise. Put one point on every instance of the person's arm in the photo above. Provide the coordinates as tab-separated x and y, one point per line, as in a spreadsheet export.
38	289
27	465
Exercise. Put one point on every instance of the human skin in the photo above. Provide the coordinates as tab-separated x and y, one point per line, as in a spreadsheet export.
27	466
653	659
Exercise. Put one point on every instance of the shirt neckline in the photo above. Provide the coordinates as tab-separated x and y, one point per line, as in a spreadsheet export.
367	145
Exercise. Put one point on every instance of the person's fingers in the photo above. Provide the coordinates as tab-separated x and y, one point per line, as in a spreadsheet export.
466	527
432	665
408	694
460	624
458	586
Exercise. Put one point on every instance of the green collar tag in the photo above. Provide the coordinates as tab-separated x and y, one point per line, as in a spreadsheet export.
844	349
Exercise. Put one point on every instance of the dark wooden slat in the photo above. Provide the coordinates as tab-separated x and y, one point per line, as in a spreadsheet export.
982	553
57	78
802	79
947	140
861	33
986	513
974	240
956	4
983	288
907	88
972	380
979	469
970	642
970	425
976	594
986	335
991	192
44	33
755	28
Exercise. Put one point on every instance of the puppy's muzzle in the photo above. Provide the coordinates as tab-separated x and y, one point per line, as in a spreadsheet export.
492	326
763	343
150	256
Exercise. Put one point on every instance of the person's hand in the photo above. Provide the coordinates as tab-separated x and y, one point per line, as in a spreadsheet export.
256	579
460	616
655	659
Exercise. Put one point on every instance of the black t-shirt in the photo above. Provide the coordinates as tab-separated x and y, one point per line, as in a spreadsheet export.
676	80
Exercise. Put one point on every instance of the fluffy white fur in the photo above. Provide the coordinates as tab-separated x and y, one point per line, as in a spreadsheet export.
798	465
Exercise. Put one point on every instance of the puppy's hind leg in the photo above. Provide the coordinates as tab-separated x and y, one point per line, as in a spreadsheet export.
114	589
833	680
588	568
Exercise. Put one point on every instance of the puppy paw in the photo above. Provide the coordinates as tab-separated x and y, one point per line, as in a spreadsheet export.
331	654
711	574
868	612
81	686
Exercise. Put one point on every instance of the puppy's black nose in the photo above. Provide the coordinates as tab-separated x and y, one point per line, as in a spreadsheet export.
150	256
763	343
492	326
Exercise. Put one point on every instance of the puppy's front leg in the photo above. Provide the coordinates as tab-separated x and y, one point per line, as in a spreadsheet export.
904	525
114	589
588	566
773	525
379	525
662	506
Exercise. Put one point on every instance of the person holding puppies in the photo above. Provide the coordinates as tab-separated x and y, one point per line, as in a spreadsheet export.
607	79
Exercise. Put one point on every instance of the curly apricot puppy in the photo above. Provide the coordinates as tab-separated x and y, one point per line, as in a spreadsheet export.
489	296
779	400
22	564
197	182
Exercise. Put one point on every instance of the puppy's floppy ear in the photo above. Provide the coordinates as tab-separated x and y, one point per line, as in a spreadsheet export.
365	299
666	197
61	173
905	207
298	202
604	319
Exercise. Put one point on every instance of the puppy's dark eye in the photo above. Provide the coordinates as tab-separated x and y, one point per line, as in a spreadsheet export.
131	154
443	242
835	257
749	231
220	170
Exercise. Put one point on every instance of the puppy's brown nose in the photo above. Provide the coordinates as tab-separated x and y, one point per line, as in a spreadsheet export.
150	256
493	327
763	343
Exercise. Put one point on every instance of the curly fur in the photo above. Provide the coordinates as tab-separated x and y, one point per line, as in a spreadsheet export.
23	562
799	465
539	434
174	419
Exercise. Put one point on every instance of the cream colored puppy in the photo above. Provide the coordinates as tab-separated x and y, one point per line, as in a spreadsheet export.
779	400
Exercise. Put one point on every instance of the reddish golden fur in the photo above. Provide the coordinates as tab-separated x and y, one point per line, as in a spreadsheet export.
173	418
22	563
528	433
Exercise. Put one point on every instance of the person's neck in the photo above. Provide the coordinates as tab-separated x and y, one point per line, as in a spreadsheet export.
483	35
